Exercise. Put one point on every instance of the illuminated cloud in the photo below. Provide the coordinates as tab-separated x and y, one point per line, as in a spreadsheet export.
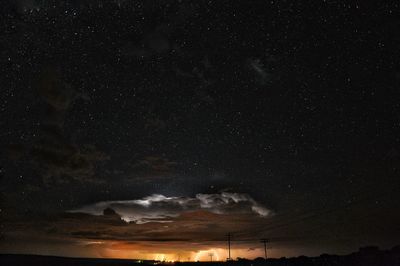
159	208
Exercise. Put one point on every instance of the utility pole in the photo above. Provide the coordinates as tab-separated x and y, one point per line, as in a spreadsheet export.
265	241
211	255
229	247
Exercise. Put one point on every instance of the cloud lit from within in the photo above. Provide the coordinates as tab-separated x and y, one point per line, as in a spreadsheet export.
159	208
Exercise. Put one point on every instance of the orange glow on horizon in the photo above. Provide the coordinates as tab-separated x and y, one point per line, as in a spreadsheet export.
171	252
204	255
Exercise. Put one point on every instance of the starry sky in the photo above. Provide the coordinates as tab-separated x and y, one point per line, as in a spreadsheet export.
151	129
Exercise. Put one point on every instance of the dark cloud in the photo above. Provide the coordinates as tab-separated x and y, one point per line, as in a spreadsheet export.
55	92
150	168
54	155
206	217
61	162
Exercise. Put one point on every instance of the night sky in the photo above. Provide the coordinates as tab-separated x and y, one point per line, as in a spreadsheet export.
151	129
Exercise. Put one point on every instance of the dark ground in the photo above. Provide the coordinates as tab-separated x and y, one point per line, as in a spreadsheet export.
17	260
369	256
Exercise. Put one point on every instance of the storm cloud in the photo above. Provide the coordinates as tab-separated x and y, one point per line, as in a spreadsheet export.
159	208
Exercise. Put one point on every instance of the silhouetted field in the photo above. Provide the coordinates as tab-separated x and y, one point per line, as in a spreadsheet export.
25	260
369	256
